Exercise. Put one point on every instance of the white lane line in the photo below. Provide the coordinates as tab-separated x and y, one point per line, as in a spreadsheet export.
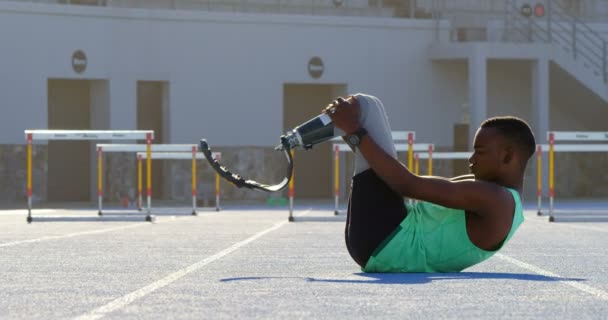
140	293
573	283
11	212
544	221
581	227
71	235
159	219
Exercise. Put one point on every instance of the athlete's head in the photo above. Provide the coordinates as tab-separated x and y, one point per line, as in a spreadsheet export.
502	147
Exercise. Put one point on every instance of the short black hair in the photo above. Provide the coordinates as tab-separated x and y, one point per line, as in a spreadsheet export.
515	130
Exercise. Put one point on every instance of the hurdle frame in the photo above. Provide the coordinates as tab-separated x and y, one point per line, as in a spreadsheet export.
552	147
410	147
77	135
114	148
194	155
340	146
445	155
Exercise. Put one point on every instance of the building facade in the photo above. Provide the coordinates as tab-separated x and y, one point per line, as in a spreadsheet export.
240	74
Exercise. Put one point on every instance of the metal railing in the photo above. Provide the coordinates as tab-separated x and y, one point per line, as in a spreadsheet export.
558	27
474	20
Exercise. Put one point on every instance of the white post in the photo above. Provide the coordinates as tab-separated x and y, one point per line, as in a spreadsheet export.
477	89
540	102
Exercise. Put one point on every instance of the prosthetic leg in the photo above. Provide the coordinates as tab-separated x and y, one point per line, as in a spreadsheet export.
314	131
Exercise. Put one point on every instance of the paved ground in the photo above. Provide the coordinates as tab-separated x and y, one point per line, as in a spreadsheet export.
250	263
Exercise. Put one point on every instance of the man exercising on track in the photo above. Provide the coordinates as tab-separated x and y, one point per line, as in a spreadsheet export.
459	222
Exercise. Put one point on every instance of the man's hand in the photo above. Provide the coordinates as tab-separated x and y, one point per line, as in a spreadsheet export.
345	113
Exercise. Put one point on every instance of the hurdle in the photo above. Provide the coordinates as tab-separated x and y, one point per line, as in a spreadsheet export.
194	155
416	147
446	155
101	148
553	147
460	155
410	147
78	135
290	190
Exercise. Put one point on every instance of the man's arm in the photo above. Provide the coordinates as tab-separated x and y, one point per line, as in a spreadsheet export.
475	196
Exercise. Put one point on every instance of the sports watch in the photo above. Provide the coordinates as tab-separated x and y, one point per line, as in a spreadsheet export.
354	139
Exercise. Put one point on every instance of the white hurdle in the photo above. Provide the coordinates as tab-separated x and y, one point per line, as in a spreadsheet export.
339	146
552	147
446	155
194	155
101	148
410	147
32	135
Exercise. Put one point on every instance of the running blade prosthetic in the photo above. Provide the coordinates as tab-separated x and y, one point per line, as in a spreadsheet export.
241	182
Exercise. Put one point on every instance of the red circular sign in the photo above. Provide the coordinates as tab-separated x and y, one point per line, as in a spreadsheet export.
539	10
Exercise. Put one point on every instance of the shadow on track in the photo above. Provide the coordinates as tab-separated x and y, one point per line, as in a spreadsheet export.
418	278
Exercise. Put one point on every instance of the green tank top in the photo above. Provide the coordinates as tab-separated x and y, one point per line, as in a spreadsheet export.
433	238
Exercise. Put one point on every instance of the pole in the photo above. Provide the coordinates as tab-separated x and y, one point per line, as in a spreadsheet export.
99	180
604	71
549	18
410	151
139	193
218	157
149	175
29	177
410	154
193	181
574	38
291	190
539	178
336	179
430	168
551	174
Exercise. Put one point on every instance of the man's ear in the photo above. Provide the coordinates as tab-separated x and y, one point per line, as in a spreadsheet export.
508	155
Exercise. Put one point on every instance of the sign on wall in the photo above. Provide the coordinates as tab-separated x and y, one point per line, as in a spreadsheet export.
315	67
79	61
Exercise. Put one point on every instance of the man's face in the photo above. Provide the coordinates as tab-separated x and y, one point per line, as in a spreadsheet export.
489	151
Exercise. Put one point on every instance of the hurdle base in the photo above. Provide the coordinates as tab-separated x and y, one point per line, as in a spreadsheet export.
551	219
291	219
539	213
29	219
217	209
194	213
99	213
150	218
336	213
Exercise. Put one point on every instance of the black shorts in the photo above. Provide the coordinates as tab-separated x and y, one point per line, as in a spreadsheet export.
374	212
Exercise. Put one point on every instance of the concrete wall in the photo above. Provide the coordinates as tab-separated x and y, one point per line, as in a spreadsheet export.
218	65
